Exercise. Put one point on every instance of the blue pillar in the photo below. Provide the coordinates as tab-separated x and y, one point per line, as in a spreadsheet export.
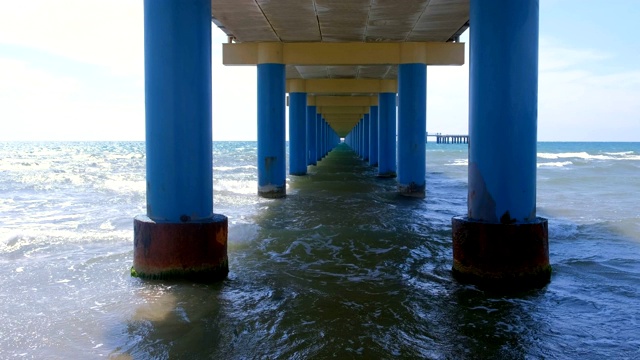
271	131
501	218
412	128
373	136
355	139
297	133
365	137
387	135
360	138
179	223
319	137
323	132
311	135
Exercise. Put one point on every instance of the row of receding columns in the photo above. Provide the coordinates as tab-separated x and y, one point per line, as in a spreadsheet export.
374	137
310	136
500	242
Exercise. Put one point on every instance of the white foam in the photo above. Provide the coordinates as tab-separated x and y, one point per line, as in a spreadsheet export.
246	187
622	155
125	186
459	162
229	168
577	155
555	164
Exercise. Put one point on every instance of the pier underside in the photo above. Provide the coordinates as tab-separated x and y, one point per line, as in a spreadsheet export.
354	70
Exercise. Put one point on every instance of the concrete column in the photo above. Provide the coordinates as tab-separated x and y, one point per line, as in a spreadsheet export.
311	135
365	138
387	135
324	138
360	139
412	127
357	136
297	133
373	136
323	131
356	142
501	242
271	131
319	137
180	236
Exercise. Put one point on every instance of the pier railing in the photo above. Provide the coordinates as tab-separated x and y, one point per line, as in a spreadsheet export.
450	139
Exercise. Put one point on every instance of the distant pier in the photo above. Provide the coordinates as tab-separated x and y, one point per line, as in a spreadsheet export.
450	139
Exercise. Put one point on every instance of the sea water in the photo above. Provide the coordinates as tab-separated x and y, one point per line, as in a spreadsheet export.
342	267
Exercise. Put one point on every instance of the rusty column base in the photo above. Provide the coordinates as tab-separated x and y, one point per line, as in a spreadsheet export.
502	257
190	251
412	190
272	192
387	175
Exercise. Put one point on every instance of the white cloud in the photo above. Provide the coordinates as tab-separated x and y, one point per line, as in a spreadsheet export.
40	105
577	101
106	33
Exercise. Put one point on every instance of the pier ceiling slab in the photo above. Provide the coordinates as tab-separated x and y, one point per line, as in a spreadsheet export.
341	20
301	23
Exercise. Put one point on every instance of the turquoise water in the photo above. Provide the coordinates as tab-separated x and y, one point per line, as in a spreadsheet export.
343	267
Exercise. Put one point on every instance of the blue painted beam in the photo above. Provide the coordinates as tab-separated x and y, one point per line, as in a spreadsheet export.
373	136
177	47
297	133
387	135
412	128
311	135
271	131
503	121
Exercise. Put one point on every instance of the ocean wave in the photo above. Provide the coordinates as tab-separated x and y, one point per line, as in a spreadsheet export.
238	187
458	162
555	164
577	155
231	168
620	153
623	155
30	241
125	186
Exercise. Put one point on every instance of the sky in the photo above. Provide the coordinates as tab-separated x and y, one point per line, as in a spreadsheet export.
72	70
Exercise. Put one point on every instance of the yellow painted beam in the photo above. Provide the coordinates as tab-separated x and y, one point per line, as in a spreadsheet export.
342	117
323	100
349	53
342	86
343	109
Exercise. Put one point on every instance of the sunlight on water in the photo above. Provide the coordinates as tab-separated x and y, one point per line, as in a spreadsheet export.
343	267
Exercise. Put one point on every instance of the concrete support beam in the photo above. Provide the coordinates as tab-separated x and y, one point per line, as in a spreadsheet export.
345	100
342	86
351	53
325	110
